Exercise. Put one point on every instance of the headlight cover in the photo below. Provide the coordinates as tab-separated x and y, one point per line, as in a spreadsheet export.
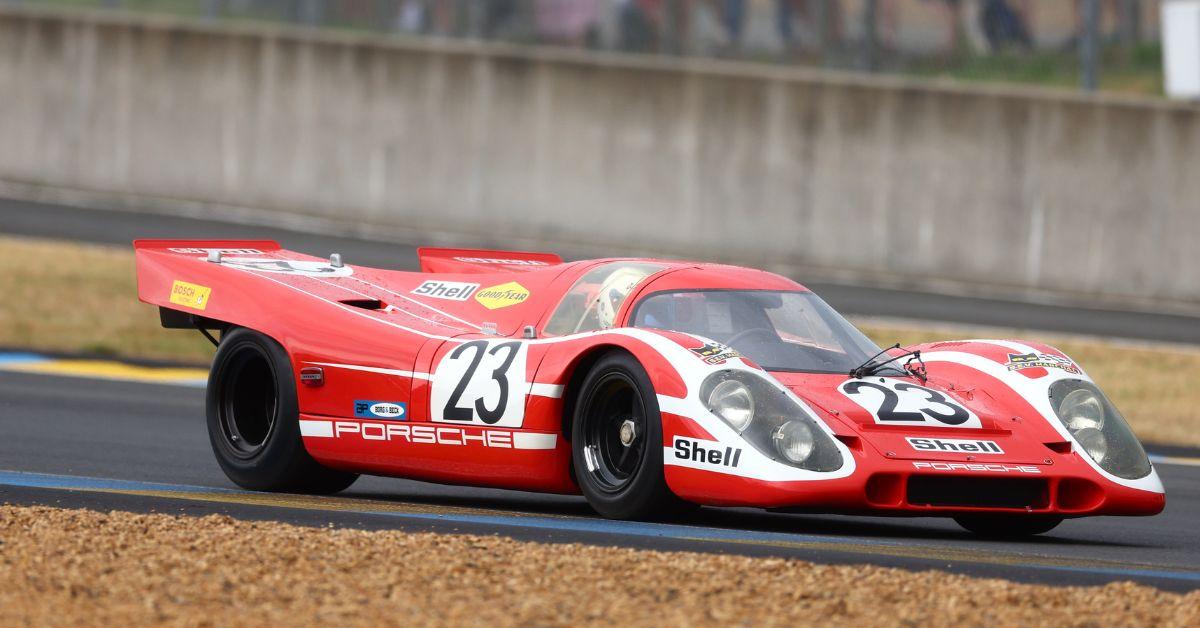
774	424
732	401
1099	429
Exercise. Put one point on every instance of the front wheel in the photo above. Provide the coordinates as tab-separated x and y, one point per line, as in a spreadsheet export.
1010	527
616	443
253	419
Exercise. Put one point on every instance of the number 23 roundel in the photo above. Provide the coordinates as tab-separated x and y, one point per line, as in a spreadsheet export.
481	382
893	402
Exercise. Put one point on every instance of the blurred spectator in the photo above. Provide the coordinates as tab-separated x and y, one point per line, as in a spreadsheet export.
824	17
1004	26
732	16
640	23
566	21
498	16
956	33
1105	7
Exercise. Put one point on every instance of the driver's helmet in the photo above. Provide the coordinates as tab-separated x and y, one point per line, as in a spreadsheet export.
613	292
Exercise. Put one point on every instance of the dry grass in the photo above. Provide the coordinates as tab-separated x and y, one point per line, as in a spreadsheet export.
82	298
72	297
83	568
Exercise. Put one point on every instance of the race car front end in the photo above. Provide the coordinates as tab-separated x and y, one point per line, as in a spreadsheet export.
977	437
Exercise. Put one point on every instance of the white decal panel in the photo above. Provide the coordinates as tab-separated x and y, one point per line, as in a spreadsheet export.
481	382
304	268
899	402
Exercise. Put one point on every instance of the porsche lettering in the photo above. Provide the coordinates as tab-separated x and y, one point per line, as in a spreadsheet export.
966	466
425	434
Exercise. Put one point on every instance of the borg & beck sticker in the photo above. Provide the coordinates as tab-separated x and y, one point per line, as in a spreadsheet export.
190	295
1021	361
449	290
716	353
396	411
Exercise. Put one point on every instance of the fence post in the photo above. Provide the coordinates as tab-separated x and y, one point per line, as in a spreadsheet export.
1130	25
870	35
211	9
822	24
674	33
1089	48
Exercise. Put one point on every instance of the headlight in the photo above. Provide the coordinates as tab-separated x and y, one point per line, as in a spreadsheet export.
794	441
1093	442
1098	428
731	400
1082	409
767	418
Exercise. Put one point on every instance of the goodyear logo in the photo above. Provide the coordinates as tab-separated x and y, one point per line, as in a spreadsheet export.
503	295
190	295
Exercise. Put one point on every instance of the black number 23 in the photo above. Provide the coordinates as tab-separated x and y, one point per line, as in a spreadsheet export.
452	411
951	413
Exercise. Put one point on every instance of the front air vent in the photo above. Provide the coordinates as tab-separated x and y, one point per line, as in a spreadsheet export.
970	492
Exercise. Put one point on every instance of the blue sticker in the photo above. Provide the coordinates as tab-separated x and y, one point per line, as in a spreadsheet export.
381	410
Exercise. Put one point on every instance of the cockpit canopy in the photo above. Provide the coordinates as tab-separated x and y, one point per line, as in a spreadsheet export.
778	330
593	302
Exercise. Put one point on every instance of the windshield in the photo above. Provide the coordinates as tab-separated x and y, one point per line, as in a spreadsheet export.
780	331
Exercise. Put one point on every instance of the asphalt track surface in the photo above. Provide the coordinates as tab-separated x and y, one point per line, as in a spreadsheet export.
120	228
75	442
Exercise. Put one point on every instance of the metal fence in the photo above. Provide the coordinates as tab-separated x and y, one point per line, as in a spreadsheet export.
1110	44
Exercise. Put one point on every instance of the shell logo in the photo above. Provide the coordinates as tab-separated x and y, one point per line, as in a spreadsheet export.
503	295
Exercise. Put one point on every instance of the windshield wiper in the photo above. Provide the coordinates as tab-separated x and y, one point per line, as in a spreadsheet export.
871	367
861	370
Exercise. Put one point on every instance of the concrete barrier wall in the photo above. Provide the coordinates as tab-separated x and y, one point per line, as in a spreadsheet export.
875	178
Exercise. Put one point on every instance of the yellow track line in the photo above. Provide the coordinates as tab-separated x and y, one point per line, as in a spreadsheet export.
109	369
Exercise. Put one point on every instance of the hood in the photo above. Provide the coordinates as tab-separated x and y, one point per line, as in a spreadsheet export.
906	419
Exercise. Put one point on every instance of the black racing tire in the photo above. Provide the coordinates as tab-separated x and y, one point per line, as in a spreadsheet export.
621	481
1008	527
253	419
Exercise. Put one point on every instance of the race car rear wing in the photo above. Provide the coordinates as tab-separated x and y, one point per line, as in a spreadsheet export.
204	247
169	277
435	260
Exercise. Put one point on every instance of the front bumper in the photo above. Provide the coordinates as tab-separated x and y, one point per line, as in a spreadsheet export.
1067	486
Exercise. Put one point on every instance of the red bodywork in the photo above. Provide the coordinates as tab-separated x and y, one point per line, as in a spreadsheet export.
386	342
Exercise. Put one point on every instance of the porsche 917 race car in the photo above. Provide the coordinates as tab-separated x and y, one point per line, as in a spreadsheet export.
649	386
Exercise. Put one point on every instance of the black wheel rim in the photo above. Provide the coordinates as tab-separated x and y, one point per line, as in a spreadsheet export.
614	402
248	403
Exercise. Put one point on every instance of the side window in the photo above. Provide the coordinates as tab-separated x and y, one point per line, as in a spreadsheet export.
593	302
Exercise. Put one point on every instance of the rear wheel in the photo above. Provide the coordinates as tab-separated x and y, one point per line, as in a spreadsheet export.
616	442
1008	527
253	419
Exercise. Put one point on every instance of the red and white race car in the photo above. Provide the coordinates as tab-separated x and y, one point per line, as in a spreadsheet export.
646	385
